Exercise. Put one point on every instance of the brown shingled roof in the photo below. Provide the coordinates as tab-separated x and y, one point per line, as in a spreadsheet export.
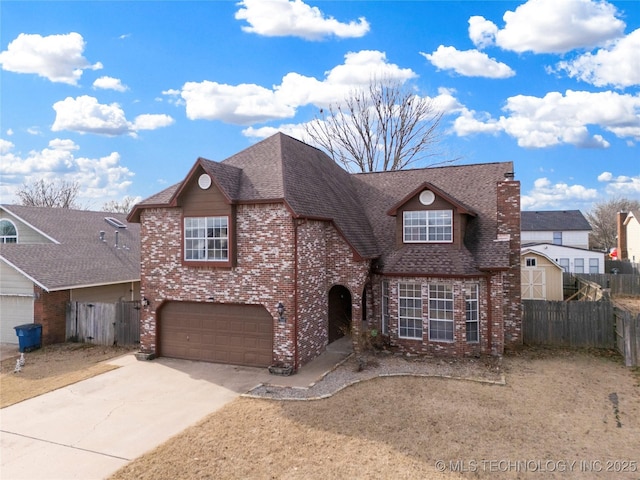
75	256
473	185
283	169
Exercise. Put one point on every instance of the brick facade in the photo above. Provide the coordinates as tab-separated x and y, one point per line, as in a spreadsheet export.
265	274
508	202
489	310
50	310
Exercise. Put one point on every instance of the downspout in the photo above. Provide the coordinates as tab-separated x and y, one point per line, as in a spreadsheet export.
489	313
295	295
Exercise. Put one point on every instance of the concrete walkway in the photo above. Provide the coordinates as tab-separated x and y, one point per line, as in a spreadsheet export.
90	429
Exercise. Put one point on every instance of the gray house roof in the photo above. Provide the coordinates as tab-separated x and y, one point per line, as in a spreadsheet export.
553	220
73	255
283	169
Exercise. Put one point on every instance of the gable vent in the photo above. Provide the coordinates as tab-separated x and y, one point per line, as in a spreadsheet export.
115	222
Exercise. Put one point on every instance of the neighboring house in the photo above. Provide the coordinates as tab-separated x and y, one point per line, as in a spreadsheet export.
628	224
557	227
541	276
572	259
265	258
52	256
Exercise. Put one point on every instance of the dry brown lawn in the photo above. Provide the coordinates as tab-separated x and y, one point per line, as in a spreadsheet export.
53	367
558	407
562	414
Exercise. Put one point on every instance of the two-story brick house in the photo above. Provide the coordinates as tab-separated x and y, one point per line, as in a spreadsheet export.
275	252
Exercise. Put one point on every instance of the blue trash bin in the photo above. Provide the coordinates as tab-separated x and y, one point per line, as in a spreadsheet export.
29	336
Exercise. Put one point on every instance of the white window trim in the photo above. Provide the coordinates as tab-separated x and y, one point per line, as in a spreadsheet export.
452	321
476	300
385	314
530	260
426	212
206	239
420	319
3	238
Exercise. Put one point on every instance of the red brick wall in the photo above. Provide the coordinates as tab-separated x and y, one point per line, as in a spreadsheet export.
50	310
324	260
459	347
509	224
264	273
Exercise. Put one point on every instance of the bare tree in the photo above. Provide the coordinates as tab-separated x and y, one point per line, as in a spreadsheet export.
123	206
602	219
59	194
383	127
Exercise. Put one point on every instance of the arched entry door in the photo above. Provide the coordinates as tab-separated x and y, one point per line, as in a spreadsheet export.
339	312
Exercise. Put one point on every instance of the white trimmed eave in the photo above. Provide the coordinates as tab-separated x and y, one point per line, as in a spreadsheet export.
90	285
24	274
18	217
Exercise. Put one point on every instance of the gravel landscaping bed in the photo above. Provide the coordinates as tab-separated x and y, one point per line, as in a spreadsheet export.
357	369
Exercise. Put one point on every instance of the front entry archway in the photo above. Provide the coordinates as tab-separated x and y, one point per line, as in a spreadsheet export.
339	312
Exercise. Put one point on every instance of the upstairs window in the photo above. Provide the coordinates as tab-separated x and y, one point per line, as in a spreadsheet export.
428	226
564	263
557	238
8	232
206	239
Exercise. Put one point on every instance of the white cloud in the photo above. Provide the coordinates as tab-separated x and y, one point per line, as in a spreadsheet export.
280	18
5	146
560	119
617	65
468	123
551	26
444	102
110	83
100	179
9	132
56	57
85	115
152	121
482	32
245	104
469	63
605	177
620	186
547	195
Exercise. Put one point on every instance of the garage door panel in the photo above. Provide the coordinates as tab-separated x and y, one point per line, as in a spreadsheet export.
222	333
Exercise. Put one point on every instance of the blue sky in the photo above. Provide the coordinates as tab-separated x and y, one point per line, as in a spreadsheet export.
123	97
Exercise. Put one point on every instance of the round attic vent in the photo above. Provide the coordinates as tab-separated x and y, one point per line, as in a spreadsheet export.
427	197
204	181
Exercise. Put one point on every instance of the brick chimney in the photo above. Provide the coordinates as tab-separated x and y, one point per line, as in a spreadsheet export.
508	210
623	253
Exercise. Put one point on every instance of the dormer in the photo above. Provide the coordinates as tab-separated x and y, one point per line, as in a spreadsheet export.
208	220
427	215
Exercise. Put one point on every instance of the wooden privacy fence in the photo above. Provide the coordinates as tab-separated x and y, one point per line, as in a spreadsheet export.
628	336
568	324
104	323
621	284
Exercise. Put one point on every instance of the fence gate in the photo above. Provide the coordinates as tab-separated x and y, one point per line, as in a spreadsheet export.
104	323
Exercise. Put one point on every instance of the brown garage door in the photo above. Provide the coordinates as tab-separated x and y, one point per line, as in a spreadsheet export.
216	332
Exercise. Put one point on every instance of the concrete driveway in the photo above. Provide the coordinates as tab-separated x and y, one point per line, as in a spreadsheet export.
90	429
